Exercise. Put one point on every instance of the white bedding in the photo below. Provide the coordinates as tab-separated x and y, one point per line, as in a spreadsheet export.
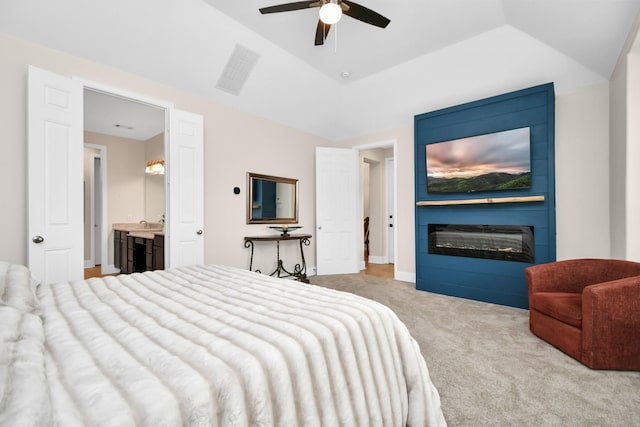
212	345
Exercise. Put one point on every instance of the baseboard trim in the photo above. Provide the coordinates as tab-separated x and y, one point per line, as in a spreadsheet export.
110	269
406	277
377	259
88	263
311	271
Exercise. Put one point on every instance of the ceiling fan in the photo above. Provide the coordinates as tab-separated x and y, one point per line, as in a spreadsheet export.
330	13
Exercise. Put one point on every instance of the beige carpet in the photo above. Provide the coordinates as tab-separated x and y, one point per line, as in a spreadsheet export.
491	371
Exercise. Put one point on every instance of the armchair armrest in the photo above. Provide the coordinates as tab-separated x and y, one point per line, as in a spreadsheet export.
575	274
611	323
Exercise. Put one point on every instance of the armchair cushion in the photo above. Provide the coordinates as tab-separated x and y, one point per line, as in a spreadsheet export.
563	306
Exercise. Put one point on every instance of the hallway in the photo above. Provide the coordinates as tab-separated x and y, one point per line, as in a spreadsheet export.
379	270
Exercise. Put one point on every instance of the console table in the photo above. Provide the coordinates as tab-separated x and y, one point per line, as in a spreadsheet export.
299	270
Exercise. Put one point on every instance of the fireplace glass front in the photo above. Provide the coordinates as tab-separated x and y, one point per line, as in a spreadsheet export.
499	242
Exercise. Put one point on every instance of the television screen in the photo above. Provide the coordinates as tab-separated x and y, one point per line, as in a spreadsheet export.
495	161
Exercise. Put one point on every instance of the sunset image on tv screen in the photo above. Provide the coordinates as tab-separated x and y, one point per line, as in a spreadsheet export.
496	161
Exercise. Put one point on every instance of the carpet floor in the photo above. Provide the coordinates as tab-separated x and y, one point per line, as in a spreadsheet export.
488	367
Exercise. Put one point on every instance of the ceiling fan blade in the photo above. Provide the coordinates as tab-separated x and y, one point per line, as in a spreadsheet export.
287	7
364	14
321	32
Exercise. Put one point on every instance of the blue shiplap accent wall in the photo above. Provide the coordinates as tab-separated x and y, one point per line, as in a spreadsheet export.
501	282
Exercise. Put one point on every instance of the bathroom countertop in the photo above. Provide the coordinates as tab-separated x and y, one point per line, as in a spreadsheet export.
146	234
138	226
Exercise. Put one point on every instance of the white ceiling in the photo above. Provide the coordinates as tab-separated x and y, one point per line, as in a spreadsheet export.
113	115
433	54
585	30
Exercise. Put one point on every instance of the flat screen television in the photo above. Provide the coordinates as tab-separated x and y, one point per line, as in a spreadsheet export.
490	162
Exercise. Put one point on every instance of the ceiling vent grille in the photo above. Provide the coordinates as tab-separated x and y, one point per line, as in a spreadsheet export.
237	70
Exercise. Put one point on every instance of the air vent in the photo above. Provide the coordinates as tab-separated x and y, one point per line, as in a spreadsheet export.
237	70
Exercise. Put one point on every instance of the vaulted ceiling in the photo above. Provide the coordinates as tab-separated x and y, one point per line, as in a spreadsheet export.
433	54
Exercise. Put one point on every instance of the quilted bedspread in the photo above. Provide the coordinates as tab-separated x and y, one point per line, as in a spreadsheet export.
212	345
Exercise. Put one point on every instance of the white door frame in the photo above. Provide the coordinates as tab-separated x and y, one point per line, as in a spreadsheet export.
104	237
392	143
91	261
389	208
96	208
118	92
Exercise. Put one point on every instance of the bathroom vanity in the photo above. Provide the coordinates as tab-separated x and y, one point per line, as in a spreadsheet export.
138	246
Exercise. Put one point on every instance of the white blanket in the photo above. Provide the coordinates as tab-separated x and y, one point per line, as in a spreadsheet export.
211	345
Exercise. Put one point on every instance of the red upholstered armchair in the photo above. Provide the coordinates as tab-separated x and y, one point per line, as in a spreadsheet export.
588	308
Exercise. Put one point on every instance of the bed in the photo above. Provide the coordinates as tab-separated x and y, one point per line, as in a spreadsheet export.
204	346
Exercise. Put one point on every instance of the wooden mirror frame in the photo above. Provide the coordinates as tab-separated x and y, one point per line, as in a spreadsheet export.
293	219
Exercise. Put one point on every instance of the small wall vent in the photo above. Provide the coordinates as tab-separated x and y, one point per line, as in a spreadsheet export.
237	70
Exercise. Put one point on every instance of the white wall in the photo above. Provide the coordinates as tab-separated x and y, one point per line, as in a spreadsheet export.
234	143
582	173
632	160
617	156
625	151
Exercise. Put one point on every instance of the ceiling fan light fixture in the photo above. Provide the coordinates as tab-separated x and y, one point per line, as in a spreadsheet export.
330	13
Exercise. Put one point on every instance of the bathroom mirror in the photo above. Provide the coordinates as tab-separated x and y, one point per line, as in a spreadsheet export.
271	199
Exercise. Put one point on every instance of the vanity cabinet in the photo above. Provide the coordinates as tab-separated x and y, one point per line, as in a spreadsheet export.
138	249
120	250
158	252
139	254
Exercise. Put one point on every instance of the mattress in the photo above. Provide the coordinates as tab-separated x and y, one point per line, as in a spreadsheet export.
218	346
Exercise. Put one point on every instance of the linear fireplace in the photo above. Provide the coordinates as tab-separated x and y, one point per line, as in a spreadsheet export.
499	242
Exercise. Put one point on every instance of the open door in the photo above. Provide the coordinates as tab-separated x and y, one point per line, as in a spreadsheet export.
337	223
185	185
55	168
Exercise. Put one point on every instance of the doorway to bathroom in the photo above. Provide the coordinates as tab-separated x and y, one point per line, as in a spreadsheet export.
121	137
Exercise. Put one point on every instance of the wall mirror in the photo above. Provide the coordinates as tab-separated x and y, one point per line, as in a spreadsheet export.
271	199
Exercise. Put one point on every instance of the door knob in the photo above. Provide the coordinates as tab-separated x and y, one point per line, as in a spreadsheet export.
37	239
320	227
199	232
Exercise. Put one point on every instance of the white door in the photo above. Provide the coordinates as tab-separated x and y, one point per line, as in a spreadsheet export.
185	185
337	224
55	170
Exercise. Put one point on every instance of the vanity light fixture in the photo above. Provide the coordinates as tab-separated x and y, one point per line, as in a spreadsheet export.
330	12
155	167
